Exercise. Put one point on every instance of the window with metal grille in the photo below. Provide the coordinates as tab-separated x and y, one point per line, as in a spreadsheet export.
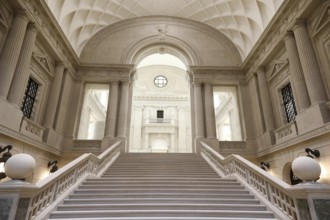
160	81
29	98
288	101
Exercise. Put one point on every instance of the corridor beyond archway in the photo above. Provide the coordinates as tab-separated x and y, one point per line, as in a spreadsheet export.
161	116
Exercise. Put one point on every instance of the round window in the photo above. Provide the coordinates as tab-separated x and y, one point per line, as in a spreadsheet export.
160	81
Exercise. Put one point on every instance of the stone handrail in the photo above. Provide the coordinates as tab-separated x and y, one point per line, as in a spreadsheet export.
47	193
270	188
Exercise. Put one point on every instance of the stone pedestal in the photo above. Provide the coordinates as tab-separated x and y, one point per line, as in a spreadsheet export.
211	142
108	142
52	138
11	116
312	118
267	139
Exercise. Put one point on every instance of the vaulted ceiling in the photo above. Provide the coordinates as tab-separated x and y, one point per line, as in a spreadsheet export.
242	21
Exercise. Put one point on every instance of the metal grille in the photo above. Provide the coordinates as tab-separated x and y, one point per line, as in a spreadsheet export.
29	98
289	105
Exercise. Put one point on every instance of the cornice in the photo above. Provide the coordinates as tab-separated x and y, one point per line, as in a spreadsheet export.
283	20
39	13
104	73
215	75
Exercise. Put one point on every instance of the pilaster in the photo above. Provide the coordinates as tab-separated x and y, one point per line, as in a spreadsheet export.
199	113
11	51
209	111
110	124
123	108
53	96
51	136
298	81
310	67
318	113
267	110
23	66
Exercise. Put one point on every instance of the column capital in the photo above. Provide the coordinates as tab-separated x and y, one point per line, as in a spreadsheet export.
207	84
21	14
260	70
288	35
298	24
197	84
32	27
114	83
124	82
60	64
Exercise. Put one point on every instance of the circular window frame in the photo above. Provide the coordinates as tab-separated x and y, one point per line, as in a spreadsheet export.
160	81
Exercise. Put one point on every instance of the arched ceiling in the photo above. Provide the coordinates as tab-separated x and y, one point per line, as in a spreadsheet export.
242	21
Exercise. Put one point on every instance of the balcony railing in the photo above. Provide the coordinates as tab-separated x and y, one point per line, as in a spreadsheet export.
159	121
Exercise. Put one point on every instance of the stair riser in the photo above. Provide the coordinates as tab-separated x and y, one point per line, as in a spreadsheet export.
159	207
130	187
153	196
153	201
129	213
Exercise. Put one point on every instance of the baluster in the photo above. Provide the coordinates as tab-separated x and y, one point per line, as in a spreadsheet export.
269	192
248	176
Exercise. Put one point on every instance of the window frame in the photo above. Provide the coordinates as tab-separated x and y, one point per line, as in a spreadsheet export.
289	102
32	95
160	81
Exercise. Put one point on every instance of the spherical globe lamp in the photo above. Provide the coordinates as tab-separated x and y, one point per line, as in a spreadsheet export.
20	166
306	168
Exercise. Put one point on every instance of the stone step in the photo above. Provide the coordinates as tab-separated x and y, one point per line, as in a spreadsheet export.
170	175
161	206
163	182
160	213
169	218
162	186
162	200
158	178
160	190
161	195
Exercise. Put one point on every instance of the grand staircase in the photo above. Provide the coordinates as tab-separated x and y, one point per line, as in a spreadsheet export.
161	186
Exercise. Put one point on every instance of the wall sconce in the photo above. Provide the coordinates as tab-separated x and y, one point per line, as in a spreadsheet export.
264	165
315	153
4	159
53	164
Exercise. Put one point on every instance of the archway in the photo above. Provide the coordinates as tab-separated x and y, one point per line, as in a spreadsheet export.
161	108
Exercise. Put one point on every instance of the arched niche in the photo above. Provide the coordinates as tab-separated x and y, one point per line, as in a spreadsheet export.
121	42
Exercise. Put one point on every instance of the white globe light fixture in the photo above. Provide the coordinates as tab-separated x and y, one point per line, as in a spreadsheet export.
20	166
306	169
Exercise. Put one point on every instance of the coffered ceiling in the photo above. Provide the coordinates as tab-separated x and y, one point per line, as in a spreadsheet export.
242	21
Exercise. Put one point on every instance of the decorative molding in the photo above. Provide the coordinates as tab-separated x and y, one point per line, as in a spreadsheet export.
284	18
5	14
28	140
110	72
47	25
286	132
321	20
277	67
32	129
44	61
216	75
296	140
